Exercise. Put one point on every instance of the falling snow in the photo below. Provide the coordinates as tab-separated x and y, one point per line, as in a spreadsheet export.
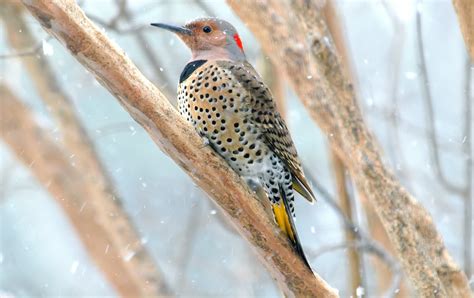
74	267
48	49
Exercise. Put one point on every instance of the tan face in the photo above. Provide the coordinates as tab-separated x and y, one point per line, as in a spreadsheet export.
205	35
209	38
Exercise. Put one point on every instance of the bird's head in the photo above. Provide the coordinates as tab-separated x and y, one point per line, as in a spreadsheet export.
209	38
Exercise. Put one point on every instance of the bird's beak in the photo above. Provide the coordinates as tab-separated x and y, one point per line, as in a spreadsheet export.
175	29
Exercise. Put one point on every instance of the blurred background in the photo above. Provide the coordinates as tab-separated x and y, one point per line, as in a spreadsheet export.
411	69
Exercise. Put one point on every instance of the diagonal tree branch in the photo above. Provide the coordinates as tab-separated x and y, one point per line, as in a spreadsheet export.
297	38
129	269
146	104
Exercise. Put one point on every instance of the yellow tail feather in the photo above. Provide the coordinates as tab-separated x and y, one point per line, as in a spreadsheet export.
286	224
281	217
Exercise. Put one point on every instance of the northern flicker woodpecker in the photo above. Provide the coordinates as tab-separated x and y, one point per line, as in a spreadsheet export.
224	98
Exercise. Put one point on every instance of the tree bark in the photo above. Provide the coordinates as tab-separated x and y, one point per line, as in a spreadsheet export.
297	37
146	104
121	232
465	11
384	275
129	269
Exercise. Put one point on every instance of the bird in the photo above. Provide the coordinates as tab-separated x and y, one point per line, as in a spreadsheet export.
229	105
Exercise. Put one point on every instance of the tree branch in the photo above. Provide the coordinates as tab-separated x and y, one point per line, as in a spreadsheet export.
297	38
147	105
469	192
129	269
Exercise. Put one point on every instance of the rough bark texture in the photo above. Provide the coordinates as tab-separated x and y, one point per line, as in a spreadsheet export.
72	192
465	12
121	233
64	20
297	38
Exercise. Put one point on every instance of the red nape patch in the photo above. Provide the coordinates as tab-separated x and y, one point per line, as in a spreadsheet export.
238	41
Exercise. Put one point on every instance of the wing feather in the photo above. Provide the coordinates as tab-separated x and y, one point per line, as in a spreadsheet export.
263	112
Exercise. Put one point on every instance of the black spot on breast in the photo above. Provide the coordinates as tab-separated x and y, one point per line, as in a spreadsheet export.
190	68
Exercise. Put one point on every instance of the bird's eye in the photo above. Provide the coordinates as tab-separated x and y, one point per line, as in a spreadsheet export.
207	29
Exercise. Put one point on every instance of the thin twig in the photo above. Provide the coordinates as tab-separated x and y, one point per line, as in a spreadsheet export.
151	56
393	289
428	103
28	52
124	14
346	206
467	146
413	129
112	26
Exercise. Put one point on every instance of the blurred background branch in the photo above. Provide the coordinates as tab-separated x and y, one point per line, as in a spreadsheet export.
102	199
128	268
468	155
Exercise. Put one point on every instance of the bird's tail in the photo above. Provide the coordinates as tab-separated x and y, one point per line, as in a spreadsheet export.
284	219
